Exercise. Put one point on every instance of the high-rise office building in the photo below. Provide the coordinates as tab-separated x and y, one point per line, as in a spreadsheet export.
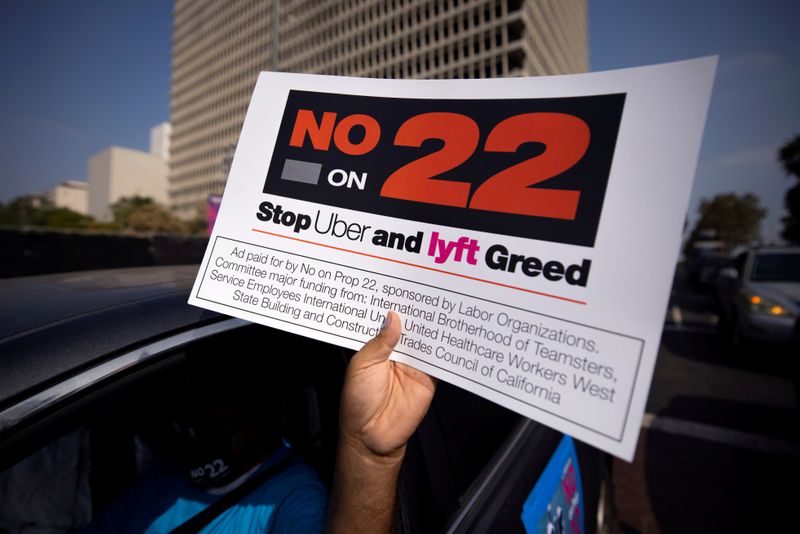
434	38
220	47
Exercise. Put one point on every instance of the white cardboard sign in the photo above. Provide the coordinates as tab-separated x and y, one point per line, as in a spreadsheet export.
526	230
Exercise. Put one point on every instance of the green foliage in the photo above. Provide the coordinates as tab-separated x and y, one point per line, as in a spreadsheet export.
35	210
789	156
124	208
155	218
198	225
66	218
136	214
142	214
734	219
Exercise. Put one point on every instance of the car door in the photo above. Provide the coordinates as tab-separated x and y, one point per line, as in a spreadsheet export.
472	465
70	448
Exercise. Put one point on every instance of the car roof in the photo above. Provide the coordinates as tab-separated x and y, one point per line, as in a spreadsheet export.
52	326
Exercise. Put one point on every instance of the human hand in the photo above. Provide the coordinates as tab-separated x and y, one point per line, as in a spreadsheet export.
383	401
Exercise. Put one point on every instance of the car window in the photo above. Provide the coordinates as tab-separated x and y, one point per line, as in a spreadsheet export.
446	457
473	429
50	488
60	485
739	264
124	430
776	268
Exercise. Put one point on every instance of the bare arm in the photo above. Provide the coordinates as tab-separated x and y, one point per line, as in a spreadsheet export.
383	402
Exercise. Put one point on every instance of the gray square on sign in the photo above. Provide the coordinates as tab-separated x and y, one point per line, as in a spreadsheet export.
301	171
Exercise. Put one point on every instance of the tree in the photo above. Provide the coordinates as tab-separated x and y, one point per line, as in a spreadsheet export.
124	208
66	218
142	214
789	156
198	225
37	210
27	210
734	219
155	218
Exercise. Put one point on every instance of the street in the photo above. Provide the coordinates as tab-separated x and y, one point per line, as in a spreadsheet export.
719	449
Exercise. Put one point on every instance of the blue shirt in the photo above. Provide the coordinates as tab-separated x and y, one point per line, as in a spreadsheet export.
292	500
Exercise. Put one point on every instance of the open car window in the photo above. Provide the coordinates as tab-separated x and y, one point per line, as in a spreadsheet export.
77	459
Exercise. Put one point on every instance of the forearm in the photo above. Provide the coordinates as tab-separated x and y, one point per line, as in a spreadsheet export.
364	489
383	402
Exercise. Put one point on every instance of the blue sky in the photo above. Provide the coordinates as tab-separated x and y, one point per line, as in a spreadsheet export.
82	75
755	105
78	76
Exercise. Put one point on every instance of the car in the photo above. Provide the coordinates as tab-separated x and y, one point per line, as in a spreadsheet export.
703	261
89	362
759	298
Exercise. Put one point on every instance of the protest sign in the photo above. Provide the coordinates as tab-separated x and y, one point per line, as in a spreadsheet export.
526	230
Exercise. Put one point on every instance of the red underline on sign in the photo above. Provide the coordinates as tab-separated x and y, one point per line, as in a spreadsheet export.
434	269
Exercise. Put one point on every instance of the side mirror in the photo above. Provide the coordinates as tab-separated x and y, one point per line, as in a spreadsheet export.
729	274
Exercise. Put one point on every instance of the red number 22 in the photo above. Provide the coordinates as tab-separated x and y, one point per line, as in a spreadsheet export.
566	139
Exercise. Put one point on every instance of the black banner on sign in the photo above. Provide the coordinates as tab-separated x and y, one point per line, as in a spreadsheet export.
533	168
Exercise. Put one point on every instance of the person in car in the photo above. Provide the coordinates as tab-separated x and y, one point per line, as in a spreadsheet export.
244	478
229	469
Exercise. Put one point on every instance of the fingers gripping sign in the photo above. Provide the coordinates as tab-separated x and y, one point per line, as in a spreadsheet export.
383	401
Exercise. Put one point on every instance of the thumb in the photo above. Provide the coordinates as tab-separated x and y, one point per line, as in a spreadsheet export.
381	346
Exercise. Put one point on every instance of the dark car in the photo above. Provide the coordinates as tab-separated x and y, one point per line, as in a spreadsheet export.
703	262
89	364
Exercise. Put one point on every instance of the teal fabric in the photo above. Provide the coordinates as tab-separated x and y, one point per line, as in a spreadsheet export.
293	500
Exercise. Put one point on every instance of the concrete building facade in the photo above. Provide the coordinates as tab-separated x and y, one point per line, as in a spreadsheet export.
72	194
220	47
159	140
122	172
434	38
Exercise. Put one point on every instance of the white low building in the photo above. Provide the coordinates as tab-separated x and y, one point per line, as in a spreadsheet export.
72	194
120	172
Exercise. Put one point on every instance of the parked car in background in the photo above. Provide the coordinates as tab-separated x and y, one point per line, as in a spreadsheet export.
89	363
759	297
703	261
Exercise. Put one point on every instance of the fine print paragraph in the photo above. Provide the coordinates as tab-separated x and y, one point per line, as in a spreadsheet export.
526	360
